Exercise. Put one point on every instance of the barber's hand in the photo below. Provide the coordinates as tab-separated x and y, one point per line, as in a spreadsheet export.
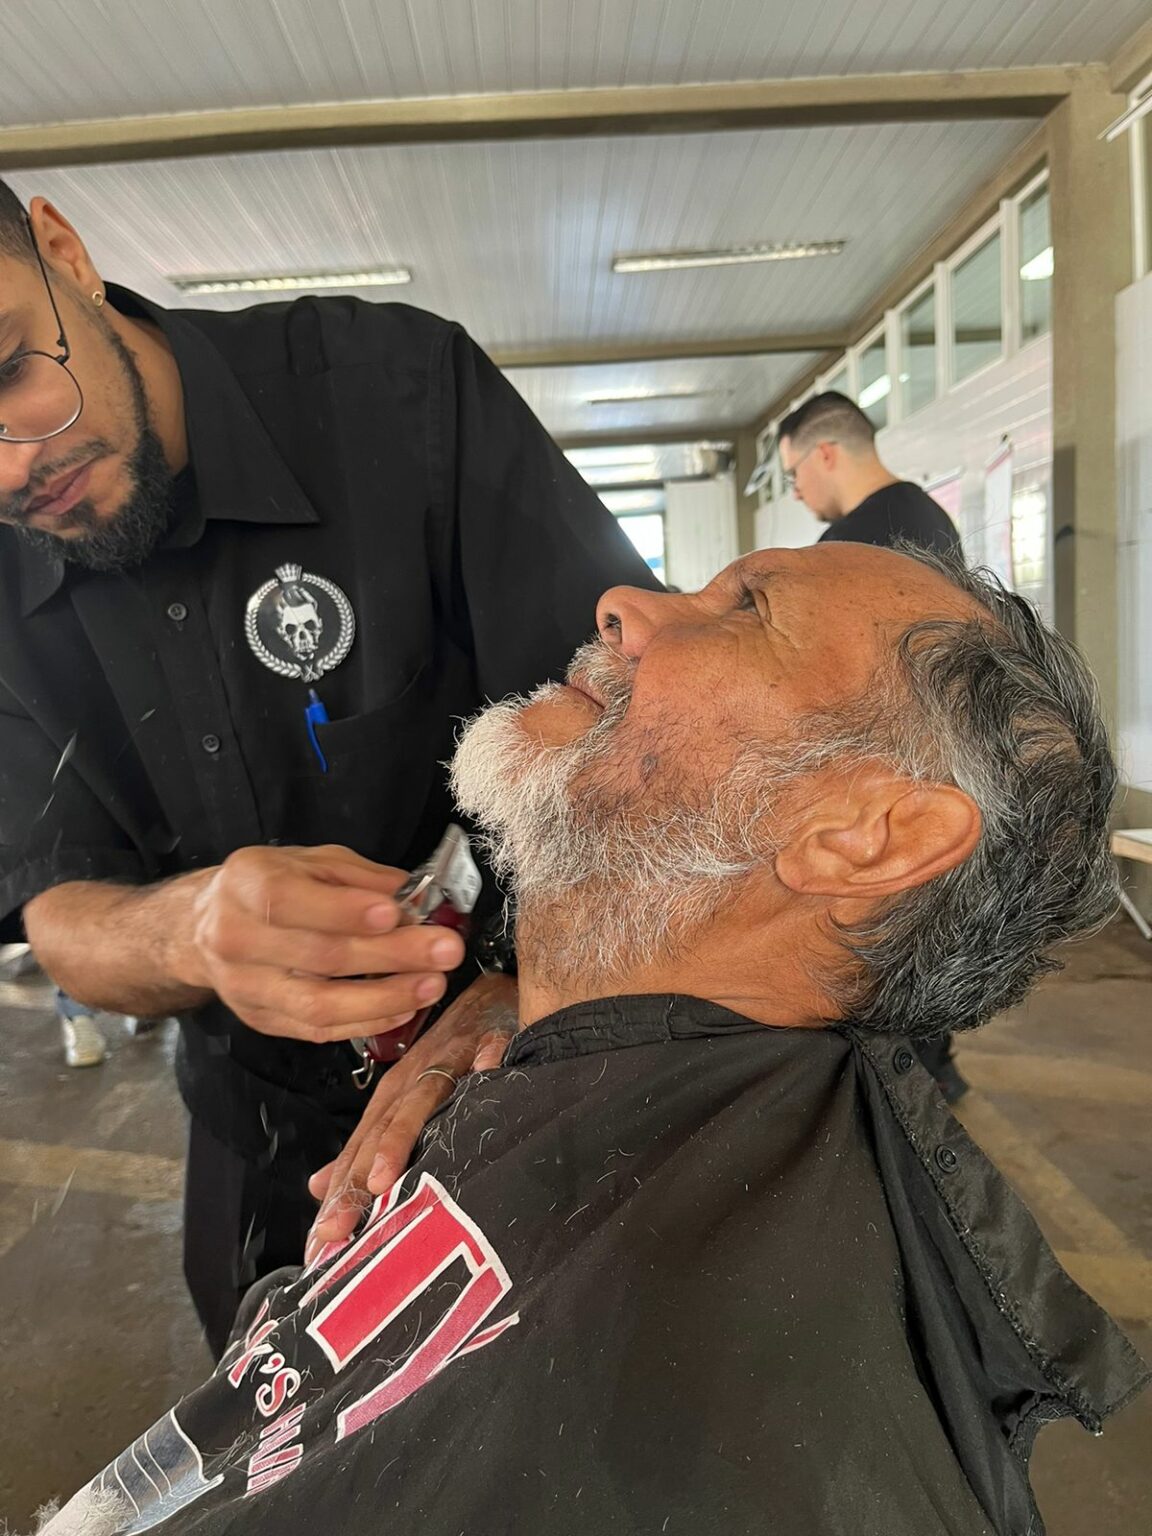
276	931
470	1036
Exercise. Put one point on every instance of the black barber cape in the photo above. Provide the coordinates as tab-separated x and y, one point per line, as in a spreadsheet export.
142	734
668	1272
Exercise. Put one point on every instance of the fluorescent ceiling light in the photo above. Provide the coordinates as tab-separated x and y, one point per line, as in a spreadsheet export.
378	277
615	474
1040	266
874	391
632	396
732	256
593	458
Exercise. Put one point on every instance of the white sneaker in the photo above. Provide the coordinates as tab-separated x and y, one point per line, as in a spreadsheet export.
83	1043
17	960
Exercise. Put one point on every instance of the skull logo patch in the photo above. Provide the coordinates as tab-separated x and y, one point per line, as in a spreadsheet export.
300	625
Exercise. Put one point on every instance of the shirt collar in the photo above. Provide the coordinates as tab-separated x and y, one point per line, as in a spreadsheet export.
238	474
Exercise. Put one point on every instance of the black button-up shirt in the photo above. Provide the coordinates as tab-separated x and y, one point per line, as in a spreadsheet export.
668	1272
377	448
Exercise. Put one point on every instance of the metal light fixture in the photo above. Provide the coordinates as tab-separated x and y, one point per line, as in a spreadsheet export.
731	256
644	396
292	282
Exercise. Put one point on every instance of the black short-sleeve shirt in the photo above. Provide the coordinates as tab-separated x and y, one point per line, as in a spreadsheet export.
898	513
376	448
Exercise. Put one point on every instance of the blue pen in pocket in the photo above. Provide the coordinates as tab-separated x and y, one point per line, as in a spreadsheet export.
315	714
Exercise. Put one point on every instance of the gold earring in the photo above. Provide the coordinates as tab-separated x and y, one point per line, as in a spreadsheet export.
98	299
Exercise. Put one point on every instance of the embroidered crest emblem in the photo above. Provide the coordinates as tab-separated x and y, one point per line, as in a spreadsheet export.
299	624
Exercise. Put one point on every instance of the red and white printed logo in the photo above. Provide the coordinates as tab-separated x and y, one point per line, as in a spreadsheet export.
399	1255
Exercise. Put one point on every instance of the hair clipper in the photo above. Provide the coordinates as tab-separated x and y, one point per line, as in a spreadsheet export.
443	890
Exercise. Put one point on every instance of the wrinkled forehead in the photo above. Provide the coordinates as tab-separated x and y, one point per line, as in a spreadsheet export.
837	576
836	613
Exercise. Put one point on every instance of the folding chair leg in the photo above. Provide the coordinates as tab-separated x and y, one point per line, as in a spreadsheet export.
1135	914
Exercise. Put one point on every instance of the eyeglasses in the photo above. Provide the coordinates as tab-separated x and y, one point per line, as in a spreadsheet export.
790	474
39	395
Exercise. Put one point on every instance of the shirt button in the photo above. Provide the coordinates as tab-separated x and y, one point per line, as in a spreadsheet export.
177	612
210	743
946	1160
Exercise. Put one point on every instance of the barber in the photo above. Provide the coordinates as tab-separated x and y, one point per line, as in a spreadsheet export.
828	454
256	566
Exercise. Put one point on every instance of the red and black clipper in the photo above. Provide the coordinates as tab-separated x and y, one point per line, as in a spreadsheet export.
443	890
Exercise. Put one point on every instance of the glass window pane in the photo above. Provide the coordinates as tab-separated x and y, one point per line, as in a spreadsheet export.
1035	266
976	310
918	345
1145	127
875	383
647	534
838	381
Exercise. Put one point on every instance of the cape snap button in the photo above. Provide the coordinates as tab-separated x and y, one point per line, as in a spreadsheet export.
946	1160
903	1060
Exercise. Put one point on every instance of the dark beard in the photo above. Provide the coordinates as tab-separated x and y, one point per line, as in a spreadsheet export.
128	537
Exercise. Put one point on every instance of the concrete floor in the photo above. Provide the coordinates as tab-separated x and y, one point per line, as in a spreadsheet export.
97	1337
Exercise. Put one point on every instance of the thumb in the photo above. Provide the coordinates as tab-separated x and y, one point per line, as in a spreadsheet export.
490	1049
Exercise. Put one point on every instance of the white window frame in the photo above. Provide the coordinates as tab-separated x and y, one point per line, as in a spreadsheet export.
877	333
895	319
844	362
987	231
1012	219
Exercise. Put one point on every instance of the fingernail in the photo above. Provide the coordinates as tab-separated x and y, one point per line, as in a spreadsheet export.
311	1248
445	951
430	989
401	1018
379	1171
381	917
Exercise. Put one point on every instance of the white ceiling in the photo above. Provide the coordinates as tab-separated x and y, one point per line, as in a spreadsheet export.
724	392
90	58
515	239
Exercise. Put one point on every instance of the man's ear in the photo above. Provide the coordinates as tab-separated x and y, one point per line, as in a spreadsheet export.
64	253
885	835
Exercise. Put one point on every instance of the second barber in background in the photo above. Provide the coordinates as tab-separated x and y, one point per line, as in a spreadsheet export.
828	453
259	565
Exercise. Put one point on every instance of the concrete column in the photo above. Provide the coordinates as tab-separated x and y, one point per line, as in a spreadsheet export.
1091	239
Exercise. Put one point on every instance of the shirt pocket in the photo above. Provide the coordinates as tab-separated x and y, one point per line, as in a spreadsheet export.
384	777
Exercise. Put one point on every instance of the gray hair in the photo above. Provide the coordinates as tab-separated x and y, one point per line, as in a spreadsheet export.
1008	712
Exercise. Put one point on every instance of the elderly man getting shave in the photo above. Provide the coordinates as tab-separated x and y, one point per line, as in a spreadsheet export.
704	1254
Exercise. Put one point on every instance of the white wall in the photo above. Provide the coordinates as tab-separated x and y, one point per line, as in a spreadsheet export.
700	536
1134	530
786	524
962	432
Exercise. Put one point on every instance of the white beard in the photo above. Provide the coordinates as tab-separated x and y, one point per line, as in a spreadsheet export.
606	876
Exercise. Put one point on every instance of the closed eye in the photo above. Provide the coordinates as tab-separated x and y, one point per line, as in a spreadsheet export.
752	600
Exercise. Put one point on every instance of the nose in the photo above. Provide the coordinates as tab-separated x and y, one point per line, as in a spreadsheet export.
628	617
16	460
